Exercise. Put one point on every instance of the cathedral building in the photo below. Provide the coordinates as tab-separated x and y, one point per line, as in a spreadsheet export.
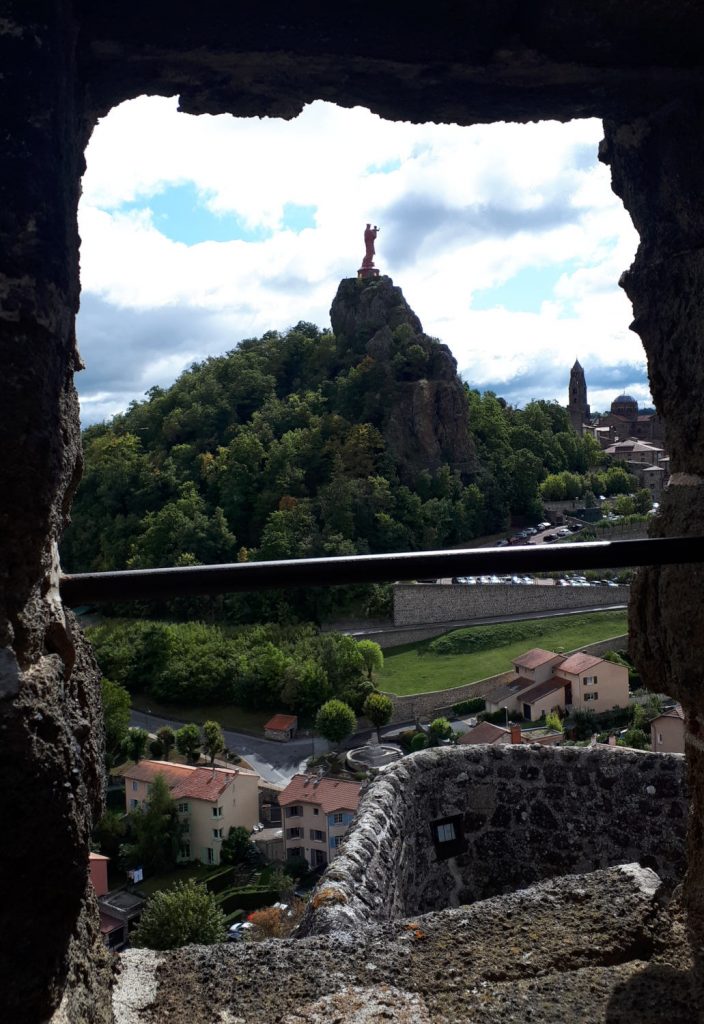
624	420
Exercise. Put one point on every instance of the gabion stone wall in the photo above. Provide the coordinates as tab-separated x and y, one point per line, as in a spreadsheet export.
524	813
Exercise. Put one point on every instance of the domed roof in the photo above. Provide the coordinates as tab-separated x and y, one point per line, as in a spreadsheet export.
625	398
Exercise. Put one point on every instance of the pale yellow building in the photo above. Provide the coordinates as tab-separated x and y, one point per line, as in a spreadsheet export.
317	812
546	681
667	731
210	802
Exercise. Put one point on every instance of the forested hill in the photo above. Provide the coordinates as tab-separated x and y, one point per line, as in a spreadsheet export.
310	443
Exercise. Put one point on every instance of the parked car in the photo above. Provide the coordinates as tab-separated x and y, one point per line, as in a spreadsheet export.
236	932
502	543
549	538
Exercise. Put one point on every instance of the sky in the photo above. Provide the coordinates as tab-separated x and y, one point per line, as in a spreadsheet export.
197	232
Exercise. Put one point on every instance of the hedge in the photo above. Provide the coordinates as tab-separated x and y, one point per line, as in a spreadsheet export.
251	897
469	707
220	880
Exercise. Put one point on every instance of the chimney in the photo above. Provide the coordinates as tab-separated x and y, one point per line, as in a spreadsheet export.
515	733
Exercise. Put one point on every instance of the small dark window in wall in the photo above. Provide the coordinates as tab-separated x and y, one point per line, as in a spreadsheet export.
448	836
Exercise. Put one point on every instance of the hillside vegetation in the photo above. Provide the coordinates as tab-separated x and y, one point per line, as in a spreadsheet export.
308	443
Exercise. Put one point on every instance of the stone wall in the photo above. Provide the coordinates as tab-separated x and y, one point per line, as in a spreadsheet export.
528	814
419	603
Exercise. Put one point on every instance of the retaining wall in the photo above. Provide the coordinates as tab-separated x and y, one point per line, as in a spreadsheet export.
527	814
421	603
425	705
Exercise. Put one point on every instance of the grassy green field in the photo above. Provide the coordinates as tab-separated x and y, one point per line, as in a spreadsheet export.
415	669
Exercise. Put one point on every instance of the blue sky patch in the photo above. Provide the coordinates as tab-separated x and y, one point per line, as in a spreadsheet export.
525	291
387	167
180	213
297	218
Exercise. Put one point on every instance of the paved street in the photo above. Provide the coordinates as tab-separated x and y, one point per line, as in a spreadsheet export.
275	762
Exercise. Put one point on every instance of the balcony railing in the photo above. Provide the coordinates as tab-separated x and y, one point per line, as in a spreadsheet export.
161	584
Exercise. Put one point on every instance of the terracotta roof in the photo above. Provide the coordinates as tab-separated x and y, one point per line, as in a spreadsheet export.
511	689
485	732
329	794
535	657
188	781
579	662
549	740
146	771
541	690
96	856
282	723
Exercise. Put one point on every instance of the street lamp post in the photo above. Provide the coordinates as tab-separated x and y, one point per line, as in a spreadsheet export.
506	710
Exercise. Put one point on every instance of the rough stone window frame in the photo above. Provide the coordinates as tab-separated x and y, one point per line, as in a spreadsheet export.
445	849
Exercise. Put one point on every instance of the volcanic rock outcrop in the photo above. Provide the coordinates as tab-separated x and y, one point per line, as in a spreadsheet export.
417	398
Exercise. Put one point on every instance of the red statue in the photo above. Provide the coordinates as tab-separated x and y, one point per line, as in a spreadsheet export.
368	269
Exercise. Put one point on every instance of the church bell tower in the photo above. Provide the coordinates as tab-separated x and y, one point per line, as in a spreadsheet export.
578	407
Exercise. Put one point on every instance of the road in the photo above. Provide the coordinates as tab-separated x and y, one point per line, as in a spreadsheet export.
275	762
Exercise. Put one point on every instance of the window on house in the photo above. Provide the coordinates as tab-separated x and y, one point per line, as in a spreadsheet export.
294	833
134	803
217	812
316	810
338	818
335	841
186	851
590	680
210	855
135	785
591	696
217	833
185	826
294	811
316	835
659	737
183	808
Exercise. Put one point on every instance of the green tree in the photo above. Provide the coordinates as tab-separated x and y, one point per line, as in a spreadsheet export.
335	721
584	724
378	708
134	744
188	742
553	721
372	656
439	729
636	738
167	738
213	740
110	833
238	848
419	741
183	915
116	715
155	832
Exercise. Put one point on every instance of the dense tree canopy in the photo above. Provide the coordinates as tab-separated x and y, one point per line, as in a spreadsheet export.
183	915
277	450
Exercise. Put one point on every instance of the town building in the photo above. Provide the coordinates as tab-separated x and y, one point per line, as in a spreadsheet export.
667	731
647	462
488	733
210	801
546	681
318	811
281	727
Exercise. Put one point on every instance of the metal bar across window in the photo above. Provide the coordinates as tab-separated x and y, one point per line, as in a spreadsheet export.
160	584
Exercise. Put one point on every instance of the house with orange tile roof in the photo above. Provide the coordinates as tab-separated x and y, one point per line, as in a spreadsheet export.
317	812
546	681
281	727
487	732
210	801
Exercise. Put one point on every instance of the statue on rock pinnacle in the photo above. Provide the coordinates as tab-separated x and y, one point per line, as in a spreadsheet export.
368	269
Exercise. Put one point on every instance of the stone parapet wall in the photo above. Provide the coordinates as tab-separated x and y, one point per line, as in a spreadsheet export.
528	814
426	705
421	603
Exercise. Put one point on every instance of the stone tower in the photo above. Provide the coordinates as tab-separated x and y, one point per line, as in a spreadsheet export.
577	406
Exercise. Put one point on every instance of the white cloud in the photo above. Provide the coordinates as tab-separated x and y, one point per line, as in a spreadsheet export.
460	210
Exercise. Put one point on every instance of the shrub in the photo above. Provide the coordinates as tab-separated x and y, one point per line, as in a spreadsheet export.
419	741
187	913
469	707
